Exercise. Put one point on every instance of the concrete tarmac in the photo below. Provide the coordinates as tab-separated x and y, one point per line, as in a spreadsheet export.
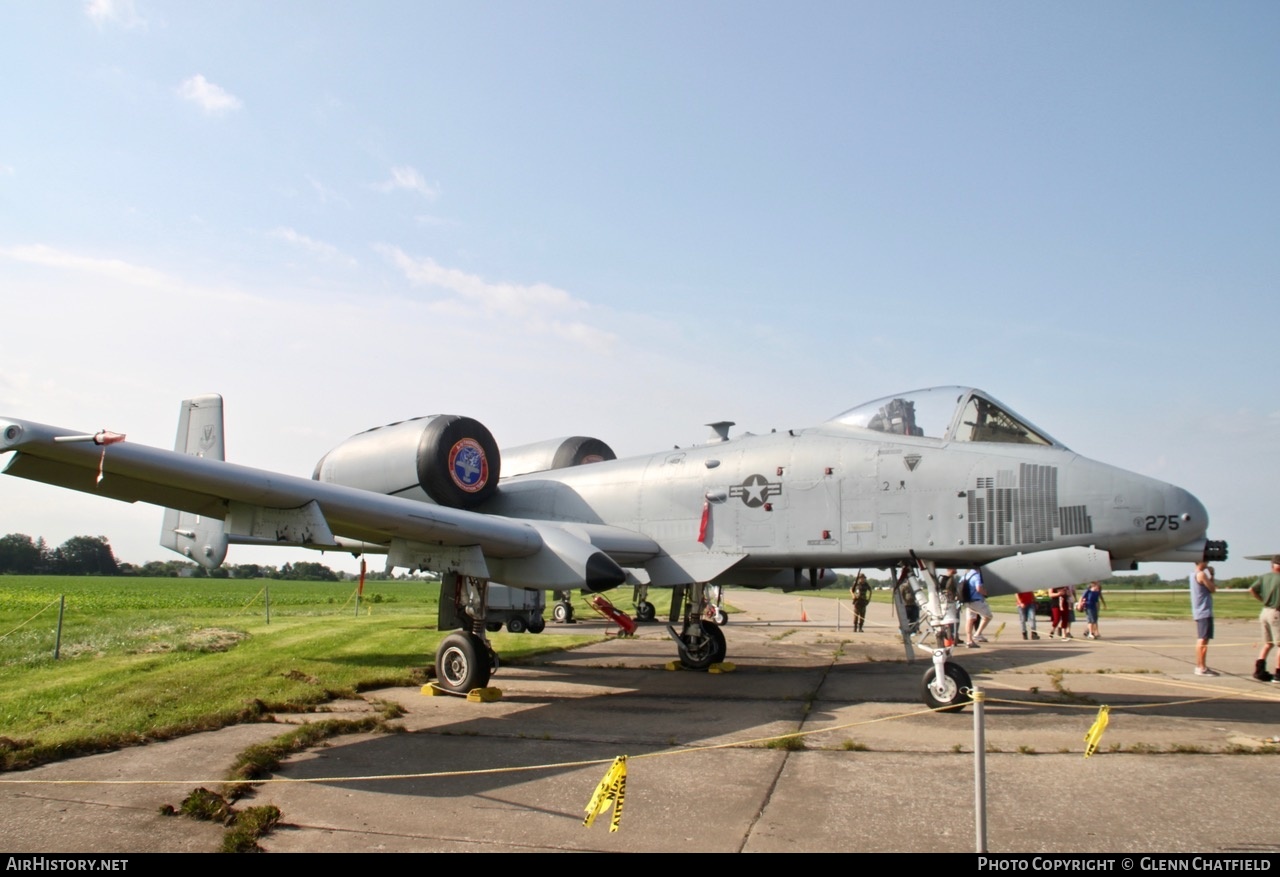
1186	764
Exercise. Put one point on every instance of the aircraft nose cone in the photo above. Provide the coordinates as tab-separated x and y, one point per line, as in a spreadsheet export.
1188	511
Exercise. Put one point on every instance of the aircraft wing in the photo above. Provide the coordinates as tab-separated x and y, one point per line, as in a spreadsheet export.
261	506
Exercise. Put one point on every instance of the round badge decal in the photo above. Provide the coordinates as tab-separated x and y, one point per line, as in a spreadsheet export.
468	465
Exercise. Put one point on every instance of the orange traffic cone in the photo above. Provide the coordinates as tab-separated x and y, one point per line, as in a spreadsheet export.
803	615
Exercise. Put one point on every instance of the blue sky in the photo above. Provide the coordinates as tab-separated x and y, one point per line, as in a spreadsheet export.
629	219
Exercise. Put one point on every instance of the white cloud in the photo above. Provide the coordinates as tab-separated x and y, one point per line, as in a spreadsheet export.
114	269
213	99
410	179
326	252
121	12
325	194
539	308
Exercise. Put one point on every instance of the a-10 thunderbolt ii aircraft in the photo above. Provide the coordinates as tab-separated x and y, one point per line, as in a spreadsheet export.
934	478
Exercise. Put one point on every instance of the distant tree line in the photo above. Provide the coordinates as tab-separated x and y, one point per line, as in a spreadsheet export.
78	556
92	556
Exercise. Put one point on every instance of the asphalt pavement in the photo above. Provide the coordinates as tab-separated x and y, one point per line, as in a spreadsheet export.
1185	763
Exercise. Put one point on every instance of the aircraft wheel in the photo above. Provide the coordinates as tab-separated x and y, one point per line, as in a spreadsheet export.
956	688
516	624
562	614
720	616
463	662
645	611
537	625
700	652
721	647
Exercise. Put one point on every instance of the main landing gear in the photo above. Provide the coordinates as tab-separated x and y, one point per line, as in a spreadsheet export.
645	610
562	612
700	643
464	658
464	661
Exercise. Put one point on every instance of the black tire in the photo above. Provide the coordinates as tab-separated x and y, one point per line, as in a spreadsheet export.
958	689
701	652
493	626
458	462
720	617
562	613
516	624
645	611
463	662
721	647
537	625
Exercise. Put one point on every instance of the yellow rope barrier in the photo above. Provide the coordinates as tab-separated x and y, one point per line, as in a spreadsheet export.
31	619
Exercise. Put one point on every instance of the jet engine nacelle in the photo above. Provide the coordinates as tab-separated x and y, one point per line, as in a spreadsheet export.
560	453
443	458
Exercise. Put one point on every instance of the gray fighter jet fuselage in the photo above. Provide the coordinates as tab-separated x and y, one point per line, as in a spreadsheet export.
835	496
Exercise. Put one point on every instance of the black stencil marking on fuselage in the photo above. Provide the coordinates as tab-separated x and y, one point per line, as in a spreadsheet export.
1021	509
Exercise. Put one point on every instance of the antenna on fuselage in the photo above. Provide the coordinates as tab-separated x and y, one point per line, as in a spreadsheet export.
719	431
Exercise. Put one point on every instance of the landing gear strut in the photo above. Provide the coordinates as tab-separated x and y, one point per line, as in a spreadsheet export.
464	659
946	685
562	613
645	610
700	643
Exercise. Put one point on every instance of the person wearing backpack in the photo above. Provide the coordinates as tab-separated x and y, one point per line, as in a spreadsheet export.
979	612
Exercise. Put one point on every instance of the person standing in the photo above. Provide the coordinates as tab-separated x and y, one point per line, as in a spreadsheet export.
979	611
947	588
910	605
1203	588
1062	600
1267	590
861	594
1027	613
1089	602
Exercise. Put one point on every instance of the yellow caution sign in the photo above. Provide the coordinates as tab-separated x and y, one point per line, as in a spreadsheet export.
1094	736
610	793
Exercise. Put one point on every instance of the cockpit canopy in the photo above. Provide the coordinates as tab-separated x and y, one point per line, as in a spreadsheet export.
957	414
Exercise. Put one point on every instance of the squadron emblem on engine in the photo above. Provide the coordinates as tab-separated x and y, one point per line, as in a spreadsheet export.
468	465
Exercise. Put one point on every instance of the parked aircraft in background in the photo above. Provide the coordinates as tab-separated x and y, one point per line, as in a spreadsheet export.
932	478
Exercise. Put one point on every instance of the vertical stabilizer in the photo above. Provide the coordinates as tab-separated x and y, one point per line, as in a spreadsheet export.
199	434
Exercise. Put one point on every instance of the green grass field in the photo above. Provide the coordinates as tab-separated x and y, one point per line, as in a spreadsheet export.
155	658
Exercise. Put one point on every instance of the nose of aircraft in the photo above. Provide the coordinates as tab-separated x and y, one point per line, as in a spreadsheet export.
1137	518
1176	532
